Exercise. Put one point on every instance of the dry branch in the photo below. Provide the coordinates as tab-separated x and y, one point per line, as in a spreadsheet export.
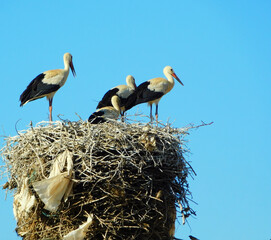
129	177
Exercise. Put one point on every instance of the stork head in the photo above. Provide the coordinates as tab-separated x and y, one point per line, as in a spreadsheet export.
131	81
169	70
68	59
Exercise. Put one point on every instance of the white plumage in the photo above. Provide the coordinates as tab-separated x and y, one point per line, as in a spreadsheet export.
122	91
103	114
153	90
47	83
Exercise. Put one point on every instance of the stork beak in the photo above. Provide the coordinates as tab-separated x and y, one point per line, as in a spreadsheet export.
176	77
72	68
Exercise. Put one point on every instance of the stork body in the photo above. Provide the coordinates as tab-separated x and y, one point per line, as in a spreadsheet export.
122	91
152	91
103	114
47	83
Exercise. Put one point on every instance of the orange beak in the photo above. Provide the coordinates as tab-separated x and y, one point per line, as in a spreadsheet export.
72	68
176	77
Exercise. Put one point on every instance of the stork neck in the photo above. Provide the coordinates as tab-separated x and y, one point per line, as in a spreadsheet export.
130	83
169	78
66	66
115	103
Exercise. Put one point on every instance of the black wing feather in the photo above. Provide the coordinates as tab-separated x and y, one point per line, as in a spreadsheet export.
142	95
106	100
96	118
37	89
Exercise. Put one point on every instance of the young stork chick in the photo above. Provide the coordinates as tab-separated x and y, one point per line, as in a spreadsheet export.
47	83
122	91
152	91
103	114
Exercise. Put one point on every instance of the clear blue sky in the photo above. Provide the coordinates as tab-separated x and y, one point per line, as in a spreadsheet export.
221	50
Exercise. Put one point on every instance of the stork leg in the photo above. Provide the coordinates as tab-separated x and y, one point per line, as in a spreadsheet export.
50	109
151	112
156	113
122	116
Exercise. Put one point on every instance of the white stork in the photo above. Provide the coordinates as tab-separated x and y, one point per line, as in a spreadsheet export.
103	114
152	91
47	83
122	91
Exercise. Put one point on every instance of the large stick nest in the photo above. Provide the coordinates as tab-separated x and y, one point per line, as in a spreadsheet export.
130	177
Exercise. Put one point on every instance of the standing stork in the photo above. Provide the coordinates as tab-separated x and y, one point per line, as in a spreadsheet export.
152	91
122	91
110	112
47	83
